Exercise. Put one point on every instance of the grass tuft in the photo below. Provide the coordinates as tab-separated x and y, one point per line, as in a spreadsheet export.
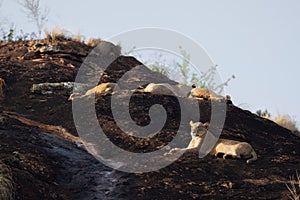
287	122
93	42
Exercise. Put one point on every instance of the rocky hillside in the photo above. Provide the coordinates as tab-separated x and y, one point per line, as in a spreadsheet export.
40	157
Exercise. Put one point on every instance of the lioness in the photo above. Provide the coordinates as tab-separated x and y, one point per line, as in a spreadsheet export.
226	147
167	89
204	93
233	148
160	88
101	88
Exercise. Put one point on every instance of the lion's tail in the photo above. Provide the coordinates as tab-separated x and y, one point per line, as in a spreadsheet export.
253	157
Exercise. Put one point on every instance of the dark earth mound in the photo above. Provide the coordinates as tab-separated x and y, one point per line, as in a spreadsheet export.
46	165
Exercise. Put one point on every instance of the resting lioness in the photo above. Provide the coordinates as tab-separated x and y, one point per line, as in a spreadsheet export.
233	148
204	93
160	88
101	88
167	89
226	147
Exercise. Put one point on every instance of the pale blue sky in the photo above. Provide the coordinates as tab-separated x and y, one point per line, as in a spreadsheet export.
256	40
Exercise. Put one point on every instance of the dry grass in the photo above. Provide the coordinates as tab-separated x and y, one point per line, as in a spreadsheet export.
286	121
294	187
93	42
58	34
77	37
6	183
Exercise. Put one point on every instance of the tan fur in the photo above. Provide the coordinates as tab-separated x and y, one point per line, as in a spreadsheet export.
160	88
103	87
226	147
2	84
204	93
235	149
167	89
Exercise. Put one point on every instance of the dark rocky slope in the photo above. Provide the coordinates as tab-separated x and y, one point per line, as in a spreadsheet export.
45	165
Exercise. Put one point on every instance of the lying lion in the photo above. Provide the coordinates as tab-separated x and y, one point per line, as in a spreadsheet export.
235	149
204	93
207	94
226	147
167	89
103	87
160	88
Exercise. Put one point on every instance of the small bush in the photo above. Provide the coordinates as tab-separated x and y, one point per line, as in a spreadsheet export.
181	69
56	34
286	121
264	114
282	120
93	42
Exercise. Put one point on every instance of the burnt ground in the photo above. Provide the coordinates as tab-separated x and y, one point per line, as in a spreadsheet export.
45	165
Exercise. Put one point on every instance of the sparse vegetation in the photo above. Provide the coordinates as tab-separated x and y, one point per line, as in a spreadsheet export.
180	70
58	34
35	13
294	187
93	42
183	66
285	121
205	80
264	114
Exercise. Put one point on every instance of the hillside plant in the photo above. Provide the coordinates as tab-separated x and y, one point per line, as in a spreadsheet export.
12	35
285	120
35	13
181	70
93	42
264	114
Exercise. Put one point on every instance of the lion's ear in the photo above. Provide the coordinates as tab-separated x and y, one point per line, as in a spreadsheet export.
191	122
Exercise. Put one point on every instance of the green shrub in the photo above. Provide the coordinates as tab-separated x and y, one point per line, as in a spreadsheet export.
180	70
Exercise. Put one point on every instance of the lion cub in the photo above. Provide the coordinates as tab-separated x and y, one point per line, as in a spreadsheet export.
233	148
